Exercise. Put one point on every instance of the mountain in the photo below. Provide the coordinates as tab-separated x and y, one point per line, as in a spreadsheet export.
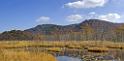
92	29
94	23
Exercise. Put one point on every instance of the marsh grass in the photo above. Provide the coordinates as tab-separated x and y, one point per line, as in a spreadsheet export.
16	50
13	55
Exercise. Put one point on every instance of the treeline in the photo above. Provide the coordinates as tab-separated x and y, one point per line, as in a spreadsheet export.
15	35
86	33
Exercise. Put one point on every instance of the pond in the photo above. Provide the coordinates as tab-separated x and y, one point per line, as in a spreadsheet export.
66	58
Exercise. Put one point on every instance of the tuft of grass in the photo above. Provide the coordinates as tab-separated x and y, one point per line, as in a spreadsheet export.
98	49
54	49
7	55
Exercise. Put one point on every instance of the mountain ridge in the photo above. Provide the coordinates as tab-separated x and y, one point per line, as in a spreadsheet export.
92	29
74	27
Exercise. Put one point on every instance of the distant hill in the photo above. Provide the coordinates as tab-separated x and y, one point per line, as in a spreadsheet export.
94	23
92	29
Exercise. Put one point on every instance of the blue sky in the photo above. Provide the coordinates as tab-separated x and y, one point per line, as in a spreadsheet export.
24	14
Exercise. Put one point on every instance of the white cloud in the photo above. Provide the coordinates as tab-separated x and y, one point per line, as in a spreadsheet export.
86	4
74	18
43	20
92	13
113	17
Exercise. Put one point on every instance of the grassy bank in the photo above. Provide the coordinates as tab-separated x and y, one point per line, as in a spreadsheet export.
13	55
33	50
67	44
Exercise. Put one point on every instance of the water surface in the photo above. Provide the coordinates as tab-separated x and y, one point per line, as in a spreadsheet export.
66	58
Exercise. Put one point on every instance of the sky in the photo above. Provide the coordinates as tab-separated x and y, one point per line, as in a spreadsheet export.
25	14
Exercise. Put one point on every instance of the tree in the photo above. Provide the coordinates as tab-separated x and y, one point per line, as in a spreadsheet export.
16	35
87	32
119	31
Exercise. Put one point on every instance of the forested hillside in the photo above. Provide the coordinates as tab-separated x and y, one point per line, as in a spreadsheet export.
92	29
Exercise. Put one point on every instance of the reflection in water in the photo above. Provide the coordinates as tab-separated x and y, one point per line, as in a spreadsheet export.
66	58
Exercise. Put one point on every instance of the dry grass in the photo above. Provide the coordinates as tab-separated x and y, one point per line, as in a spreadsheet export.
54	49
8	55
61	44
15	50
98	49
